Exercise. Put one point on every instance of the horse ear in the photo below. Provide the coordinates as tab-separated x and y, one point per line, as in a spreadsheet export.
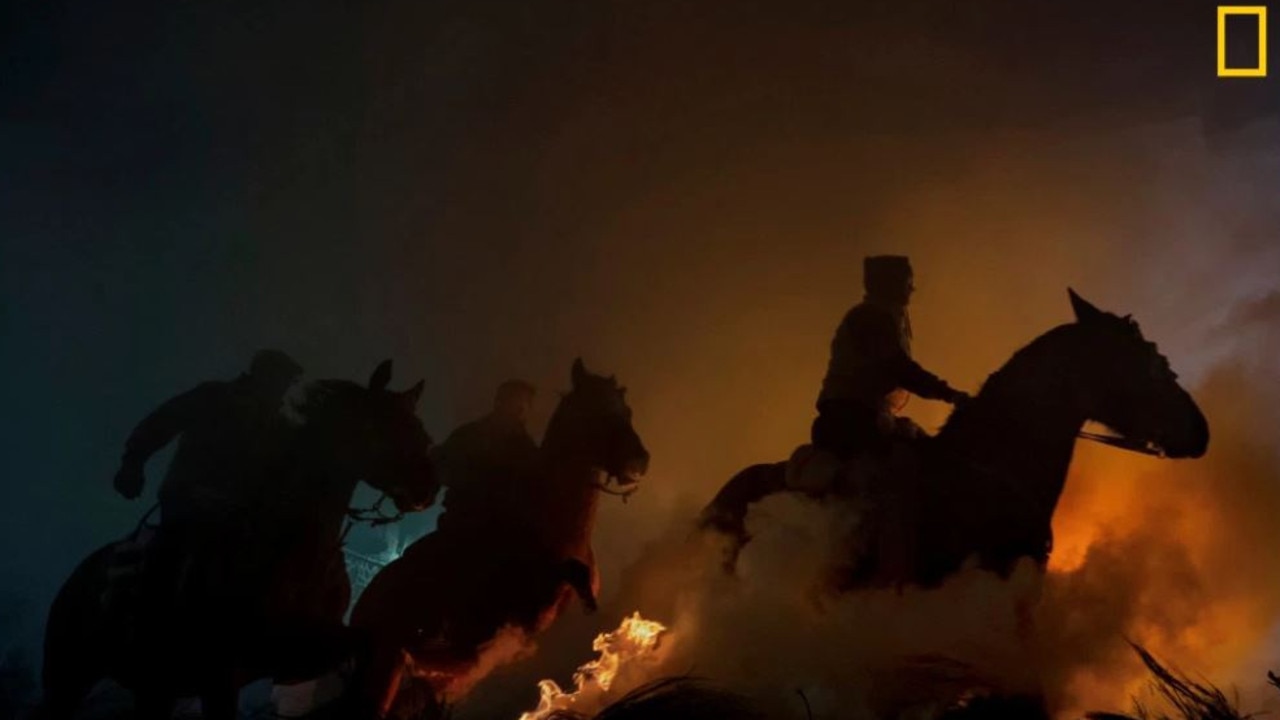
1084	310
413	394
381	376
579	372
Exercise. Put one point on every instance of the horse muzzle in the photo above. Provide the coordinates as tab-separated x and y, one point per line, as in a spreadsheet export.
1191	440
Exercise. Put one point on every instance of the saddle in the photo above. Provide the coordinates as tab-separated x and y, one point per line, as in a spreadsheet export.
886	490
126	563
817	472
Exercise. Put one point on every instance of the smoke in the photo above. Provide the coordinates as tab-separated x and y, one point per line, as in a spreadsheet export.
1177	556
1179	559
681	193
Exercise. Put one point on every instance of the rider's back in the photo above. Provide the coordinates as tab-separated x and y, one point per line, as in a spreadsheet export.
222	453
488	466
864	353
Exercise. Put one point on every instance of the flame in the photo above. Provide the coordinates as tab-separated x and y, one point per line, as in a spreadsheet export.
634	642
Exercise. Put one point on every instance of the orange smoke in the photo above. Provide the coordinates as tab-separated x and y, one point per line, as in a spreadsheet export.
1175	556
754	274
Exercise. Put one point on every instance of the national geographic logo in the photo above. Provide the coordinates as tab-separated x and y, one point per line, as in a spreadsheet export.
1242	41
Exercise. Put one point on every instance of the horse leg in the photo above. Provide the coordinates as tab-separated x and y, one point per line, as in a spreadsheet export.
71	668
372	689
579	577
417	699
74	642
727	511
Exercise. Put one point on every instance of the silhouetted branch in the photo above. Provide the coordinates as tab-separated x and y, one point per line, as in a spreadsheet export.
1191	700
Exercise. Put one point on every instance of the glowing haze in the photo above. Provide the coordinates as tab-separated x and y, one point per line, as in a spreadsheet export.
723	355
682	193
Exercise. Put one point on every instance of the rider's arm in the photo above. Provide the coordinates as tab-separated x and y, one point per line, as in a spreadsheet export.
915	379
164	424
908	374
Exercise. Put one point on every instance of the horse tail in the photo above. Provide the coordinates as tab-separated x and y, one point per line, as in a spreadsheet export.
76	639
727	511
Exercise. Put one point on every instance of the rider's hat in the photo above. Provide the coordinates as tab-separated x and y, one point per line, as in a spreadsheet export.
512	389
885	271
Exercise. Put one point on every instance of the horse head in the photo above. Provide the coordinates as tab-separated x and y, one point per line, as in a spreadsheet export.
1124	383
593	423
396	444
374	434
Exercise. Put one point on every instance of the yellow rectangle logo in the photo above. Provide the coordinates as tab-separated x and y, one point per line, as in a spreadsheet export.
1258	11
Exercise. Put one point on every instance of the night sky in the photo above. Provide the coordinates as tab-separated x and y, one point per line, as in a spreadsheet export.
680	192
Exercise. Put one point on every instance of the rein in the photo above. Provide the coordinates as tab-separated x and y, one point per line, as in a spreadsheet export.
372	515
1123	443
623	493
142	524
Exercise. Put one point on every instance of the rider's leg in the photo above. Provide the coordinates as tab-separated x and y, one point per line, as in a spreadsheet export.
850	430
842	428
157	604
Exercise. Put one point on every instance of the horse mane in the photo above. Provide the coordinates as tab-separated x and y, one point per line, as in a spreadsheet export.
324	400
558	422
1052	342
1011	372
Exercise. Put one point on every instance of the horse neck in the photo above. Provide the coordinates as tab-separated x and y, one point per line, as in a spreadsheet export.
1022	426
323	480
567	497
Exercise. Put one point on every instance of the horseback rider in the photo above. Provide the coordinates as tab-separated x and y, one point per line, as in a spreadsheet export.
226	432
870	361
488	466
483	462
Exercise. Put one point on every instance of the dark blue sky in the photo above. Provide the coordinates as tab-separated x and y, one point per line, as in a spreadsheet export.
442	183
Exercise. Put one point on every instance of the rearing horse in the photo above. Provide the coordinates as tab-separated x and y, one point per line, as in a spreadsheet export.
271	603
988	484
434	613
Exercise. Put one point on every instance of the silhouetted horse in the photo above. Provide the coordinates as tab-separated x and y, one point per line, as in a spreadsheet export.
988	483
436	614
271	603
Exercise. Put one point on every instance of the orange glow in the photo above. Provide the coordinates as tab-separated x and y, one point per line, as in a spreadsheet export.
1166	537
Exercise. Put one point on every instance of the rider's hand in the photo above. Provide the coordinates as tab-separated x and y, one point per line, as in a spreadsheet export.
129	481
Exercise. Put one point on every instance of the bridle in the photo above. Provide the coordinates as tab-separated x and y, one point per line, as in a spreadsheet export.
623	492
1124	443
372	515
